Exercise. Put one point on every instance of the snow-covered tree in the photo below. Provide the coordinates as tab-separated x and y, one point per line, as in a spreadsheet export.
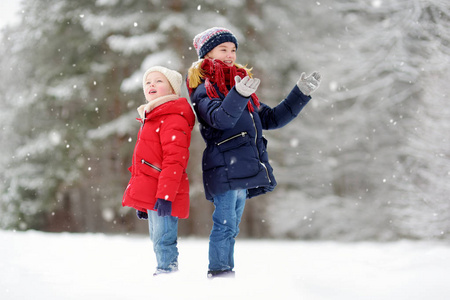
68	84
379	69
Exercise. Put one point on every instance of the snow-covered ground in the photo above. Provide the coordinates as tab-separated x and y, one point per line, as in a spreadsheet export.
36	265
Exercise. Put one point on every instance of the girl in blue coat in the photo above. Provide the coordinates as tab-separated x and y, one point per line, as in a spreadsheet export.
235	162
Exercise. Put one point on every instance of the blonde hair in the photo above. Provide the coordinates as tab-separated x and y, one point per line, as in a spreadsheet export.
196	73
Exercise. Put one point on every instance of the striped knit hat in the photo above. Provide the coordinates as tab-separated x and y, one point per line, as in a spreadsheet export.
211	38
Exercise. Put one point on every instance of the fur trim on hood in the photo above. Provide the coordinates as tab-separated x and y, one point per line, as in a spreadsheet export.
146	108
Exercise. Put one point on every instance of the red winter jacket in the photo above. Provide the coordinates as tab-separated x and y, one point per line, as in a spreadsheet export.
161	156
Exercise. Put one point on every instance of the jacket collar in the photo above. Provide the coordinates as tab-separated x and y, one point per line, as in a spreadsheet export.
146	108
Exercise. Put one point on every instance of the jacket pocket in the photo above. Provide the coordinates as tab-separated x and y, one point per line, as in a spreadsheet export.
241	159
149	168
231	142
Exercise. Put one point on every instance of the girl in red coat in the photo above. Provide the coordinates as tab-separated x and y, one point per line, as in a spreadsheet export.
159	186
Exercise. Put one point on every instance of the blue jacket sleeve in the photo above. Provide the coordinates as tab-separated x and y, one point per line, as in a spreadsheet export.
219	113
283	113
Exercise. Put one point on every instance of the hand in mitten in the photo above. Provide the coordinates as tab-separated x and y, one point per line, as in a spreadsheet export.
246	86
142	215
163	207
308	85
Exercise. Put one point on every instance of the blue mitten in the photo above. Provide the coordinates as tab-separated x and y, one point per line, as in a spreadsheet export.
163	207
142	215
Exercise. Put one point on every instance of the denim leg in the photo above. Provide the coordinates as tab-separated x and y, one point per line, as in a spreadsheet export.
227	216
163	233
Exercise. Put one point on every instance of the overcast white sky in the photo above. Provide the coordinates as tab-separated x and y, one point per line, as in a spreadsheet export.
9	10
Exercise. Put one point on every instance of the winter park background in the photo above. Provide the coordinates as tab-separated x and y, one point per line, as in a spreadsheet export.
361	210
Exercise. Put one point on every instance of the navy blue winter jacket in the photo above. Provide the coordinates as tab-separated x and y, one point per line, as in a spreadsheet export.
236	156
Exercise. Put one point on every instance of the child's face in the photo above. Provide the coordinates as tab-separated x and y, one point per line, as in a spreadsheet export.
226	52
156	85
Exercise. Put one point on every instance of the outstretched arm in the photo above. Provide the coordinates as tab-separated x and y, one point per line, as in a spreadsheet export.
289	108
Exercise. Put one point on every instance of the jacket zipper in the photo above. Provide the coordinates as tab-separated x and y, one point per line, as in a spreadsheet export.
137	143
256	145
232	137
150	165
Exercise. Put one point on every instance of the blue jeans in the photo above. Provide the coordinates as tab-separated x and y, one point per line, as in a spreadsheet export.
163	233
226	218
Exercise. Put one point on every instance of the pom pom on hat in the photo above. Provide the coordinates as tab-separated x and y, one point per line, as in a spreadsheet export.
172	76
211	38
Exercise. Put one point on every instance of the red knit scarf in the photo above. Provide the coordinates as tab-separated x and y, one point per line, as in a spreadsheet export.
217	72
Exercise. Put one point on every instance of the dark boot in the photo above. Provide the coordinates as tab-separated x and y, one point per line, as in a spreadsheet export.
221	274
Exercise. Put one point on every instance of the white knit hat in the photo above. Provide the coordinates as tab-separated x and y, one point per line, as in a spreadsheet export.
172	76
